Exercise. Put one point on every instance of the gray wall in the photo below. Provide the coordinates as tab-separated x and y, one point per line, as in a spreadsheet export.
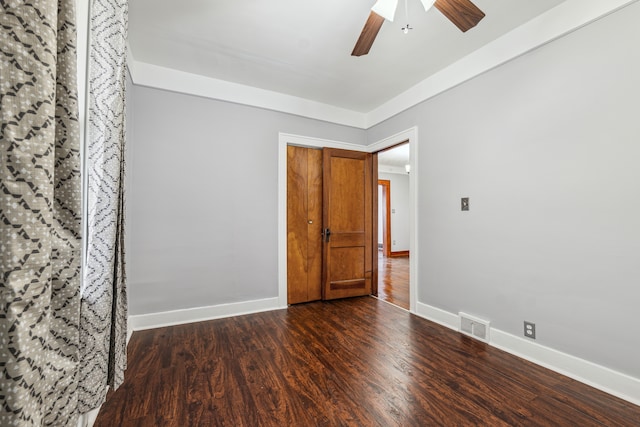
547	147
202	199
399	187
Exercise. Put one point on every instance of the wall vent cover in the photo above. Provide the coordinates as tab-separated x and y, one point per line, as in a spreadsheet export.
474	327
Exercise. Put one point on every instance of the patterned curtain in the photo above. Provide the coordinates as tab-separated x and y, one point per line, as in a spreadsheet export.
40	192
103	324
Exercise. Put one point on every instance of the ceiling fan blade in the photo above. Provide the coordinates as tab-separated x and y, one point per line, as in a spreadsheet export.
368	34
464	14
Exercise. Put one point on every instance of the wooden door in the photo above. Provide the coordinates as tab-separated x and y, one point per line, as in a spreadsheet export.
304	224
348	224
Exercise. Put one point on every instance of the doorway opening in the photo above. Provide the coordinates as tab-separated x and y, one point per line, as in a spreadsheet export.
394	225
284	140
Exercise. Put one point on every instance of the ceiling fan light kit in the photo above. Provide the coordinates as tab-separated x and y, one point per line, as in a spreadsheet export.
386	9
463	13
428	4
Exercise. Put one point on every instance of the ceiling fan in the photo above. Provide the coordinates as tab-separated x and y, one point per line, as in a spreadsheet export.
464	14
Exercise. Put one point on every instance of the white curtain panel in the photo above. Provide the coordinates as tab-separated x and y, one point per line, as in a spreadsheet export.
40	205
103	315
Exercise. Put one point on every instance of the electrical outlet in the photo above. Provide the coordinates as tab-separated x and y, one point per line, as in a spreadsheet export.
530	330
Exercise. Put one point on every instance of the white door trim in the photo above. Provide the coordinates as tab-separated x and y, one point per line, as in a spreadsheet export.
411	135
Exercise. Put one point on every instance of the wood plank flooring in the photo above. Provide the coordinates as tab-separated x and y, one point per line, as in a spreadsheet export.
352	362
393	280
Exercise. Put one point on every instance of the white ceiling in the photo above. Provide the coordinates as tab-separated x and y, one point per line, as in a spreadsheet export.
302	48
396	157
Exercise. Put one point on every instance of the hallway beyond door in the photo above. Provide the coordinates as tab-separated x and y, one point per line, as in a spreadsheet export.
393	280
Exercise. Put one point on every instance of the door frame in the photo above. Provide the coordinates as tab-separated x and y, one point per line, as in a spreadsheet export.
285	139
386	219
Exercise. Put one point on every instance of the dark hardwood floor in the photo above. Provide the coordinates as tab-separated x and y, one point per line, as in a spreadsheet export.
351	362
393	280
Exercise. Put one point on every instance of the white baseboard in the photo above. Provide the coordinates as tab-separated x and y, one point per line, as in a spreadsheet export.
600	377
189	315
437	315
88	419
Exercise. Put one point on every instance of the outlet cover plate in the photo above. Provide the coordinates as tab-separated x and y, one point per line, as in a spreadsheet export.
530	330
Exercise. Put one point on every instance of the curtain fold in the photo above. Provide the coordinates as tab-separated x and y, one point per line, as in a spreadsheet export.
40	208
103	323
61	346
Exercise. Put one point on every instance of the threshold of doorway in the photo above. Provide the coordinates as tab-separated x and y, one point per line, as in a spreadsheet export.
390	303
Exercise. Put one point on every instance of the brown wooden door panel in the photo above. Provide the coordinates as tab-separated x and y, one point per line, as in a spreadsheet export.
346	263
347	239
296	225
348	214
304	224
347	195
314	224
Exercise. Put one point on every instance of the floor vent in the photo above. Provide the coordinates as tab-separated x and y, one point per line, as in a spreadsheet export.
474	327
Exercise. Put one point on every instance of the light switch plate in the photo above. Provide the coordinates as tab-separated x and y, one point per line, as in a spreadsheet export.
464	204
